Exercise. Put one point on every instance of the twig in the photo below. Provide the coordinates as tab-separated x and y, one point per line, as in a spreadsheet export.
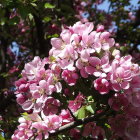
72	115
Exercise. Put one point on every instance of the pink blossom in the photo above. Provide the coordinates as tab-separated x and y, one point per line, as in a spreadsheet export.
23	131
88	129
100	65
80	28
67	64
51	106
53	122
118	101
93	130
132	129
132	111
100	28
66	117
120	79
135	83
70	77
133	96
66	35
13	69
56	42
75	133
74	105
41	129
75	40
102	85
104	41
22	85
118	124
21	98
31	69
88	39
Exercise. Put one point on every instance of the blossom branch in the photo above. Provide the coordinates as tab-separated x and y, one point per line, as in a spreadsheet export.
78	122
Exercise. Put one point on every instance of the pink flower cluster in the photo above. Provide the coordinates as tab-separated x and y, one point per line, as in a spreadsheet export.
79	53
127	124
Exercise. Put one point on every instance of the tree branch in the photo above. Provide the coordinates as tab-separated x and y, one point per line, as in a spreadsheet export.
78	122
72	114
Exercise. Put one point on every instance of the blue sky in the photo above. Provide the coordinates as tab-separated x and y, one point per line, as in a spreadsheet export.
105	4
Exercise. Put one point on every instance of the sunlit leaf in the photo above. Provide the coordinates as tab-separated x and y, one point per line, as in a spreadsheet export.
81	113
33	4
1	137
48	5
90	109
47	19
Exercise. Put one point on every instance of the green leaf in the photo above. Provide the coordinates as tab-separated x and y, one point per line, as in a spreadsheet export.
1	137
25	115
90	98
55	35
31	17
47	19
48	5
81	113
34	0
2	21
20	76
33	4
52	36
4	75
107	125
90	109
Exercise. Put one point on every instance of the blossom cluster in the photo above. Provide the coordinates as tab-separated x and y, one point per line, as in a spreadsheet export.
79	53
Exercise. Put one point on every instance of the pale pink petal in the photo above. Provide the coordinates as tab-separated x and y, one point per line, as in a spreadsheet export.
79	64
83	73
105	46
94	61
56	42
125	85
58	87
116	87
27	105
89	69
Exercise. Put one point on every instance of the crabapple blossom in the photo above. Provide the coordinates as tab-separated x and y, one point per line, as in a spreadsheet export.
118	101
70	77
102	85
120	79
74	105
51	106
32	68
66	117
118	124
85	74
133	95
75	133
131	130
23	131
93	130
